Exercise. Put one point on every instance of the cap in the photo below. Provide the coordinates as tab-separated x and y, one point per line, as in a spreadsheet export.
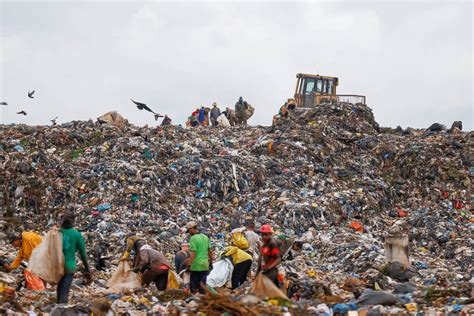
190	225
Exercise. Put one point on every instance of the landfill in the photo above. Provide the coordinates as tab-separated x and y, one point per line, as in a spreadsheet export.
330	177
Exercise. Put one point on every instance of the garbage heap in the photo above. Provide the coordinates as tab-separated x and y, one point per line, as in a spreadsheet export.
330	177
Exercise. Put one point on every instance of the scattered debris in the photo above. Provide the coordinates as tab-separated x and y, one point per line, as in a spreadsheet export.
310	178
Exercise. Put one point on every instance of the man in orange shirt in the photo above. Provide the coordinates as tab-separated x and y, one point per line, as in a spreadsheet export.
26	242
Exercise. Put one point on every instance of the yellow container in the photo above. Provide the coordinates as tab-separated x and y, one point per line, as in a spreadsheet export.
411	307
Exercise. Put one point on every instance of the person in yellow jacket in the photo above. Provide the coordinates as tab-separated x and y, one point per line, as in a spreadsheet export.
242	263
134	243
26	242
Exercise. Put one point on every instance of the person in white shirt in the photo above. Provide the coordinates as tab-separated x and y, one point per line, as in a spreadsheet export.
253	238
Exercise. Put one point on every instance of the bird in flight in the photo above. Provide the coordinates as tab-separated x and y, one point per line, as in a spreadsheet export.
3	103
30	94
142	106
21	112
54	121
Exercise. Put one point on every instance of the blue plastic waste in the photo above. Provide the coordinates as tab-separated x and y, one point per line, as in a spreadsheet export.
104	207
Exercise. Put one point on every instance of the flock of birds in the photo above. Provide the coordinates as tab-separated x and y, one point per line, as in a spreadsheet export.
140	106
30	95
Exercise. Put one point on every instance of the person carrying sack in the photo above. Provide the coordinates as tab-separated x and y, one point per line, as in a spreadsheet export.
73	243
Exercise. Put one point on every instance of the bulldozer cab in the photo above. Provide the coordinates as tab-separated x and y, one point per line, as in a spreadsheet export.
313	90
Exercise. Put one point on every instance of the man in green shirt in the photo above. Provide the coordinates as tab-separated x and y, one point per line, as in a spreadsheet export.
73	242
200	260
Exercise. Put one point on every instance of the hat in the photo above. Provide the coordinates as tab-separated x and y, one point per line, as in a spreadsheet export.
190	225
214	104
266	229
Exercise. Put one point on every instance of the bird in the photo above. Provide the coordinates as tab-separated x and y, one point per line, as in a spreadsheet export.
21	112
30	94
54	120
142	106
3	103
157	116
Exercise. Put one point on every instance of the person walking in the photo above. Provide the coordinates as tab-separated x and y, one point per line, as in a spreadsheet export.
270	255
73	243
215	112
200	261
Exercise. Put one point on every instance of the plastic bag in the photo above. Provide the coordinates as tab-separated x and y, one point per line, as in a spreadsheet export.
174	280
220	273
47	260
264	288
123	279
223	121
370	297
33	282
239	240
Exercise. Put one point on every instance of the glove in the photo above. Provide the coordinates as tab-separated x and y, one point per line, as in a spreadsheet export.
87	278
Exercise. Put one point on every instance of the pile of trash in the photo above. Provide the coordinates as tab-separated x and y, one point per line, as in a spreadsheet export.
329	177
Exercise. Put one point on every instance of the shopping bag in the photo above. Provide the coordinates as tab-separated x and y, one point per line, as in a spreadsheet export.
220	274
264	288
47	260
123	279
33	282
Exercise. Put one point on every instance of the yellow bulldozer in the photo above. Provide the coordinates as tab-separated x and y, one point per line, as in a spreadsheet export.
313	90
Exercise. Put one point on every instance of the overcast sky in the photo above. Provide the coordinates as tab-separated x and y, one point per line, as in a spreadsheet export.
412	61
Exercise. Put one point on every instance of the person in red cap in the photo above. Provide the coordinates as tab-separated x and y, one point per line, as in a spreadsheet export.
270	255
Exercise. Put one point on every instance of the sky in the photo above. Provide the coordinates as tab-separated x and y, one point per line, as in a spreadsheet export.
412	60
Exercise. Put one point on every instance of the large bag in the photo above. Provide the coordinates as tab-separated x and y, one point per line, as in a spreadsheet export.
223	121
220	273
33	282
174	280
123	279
264	288
238	239
47	260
